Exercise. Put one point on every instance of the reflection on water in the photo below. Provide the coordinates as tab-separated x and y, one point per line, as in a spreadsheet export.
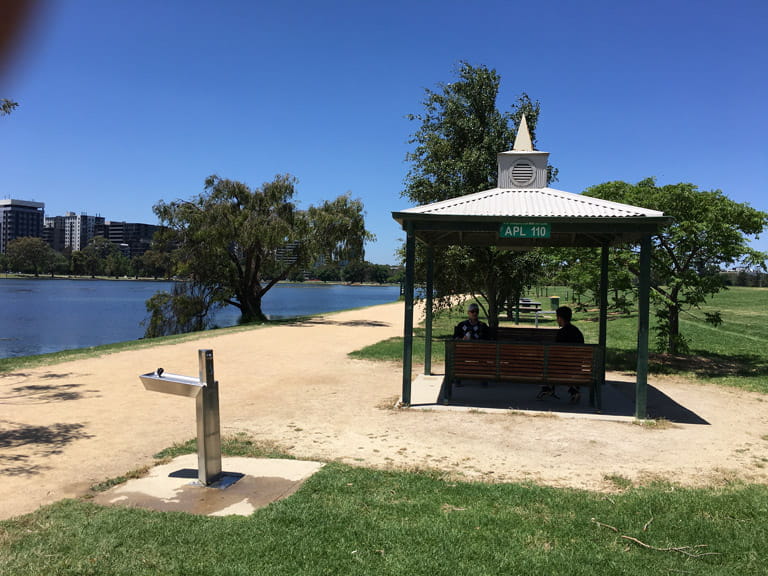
38	316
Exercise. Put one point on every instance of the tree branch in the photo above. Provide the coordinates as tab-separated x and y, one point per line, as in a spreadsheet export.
685	550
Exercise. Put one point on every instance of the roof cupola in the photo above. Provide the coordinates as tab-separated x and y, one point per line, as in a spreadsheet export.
523	167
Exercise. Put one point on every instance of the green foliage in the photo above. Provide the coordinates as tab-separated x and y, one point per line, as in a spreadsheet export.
328	273
460	135
579	268
709	231
156	262
30	255
239	444
355	521
495	278
186	308
7	106
237	243
354	272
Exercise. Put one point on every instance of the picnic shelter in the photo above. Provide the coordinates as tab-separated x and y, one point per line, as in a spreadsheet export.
523	213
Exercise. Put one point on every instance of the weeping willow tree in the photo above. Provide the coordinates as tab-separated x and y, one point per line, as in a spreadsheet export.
234	243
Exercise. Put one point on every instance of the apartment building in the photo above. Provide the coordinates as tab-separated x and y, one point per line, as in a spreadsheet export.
72	230
19	218
133	238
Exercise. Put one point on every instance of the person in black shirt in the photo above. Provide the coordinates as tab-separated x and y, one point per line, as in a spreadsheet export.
568	333
472	328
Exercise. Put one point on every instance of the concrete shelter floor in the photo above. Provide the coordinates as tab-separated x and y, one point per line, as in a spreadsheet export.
618	400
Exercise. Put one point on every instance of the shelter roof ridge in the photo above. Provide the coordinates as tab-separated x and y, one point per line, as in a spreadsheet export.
531	202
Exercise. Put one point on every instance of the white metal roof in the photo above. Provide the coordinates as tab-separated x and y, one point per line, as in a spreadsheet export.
532	203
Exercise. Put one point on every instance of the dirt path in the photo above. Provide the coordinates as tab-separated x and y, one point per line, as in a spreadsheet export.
67	426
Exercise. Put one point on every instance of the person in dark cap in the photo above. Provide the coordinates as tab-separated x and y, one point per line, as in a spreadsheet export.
472	328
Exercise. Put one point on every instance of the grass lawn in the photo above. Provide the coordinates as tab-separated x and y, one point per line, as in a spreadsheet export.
348	520
734	353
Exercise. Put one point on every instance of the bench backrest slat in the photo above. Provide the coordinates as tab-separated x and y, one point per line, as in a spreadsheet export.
514	361
526	334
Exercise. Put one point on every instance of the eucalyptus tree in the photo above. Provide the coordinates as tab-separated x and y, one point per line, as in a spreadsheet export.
709	232
461	132
237	243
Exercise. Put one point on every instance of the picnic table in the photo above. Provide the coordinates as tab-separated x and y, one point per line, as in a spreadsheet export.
528	306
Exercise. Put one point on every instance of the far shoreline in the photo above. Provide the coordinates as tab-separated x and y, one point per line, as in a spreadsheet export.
13	276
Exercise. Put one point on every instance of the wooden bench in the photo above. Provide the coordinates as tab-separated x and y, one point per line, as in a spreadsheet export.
547	363
525	334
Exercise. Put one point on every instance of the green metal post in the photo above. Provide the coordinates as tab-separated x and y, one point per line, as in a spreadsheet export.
428	332
641	388
603	328
410	264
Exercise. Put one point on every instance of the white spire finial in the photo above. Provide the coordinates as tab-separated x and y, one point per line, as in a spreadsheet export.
523	138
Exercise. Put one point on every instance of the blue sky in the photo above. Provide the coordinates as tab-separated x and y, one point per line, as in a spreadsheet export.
127	102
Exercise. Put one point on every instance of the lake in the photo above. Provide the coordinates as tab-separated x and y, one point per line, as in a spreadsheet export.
38	316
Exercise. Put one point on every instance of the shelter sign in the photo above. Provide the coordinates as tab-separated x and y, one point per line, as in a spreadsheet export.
524	230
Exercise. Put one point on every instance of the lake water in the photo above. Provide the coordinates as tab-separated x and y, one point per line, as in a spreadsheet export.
38	316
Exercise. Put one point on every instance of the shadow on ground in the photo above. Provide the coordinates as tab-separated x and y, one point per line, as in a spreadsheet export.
19	442
618	399
320	321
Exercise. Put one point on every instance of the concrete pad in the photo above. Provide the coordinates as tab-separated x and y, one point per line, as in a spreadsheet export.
618	401
247	484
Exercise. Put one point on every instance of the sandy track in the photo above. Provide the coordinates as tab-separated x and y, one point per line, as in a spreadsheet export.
67	426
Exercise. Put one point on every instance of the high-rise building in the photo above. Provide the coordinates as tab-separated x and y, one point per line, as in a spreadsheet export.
53	232
20	218
79	229
135	236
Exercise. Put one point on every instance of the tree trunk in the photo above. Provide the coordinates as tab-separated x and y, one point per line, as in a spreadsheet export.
493	301
674	328
493	314
250	310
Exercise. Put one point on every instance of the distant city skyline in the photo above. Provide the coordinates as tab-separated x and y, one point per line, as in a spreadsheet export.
122	105
21	218
66	212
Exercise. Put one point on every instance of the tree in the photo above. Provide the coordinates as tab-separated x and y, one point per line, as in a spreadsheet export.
461	133
709	231
237	243
579	268
186	308
354	272
101	256
495	278
30	255
155	262
456	146
328	273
